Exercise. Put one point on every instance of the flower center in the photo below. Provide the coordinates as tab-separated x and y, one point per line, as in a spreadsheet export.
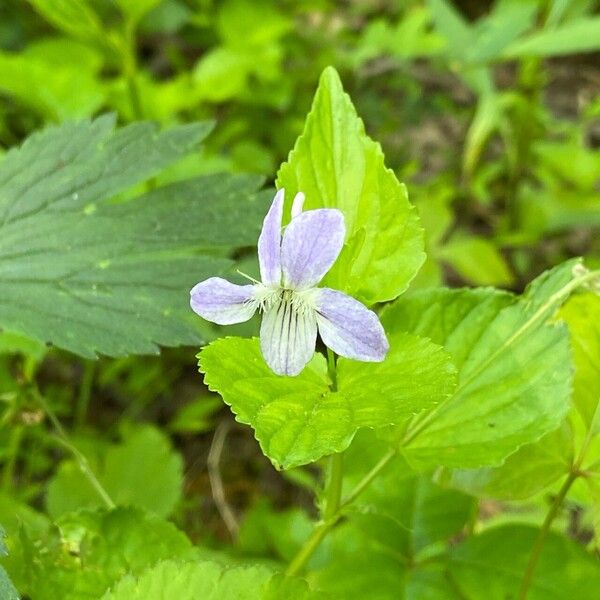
302	302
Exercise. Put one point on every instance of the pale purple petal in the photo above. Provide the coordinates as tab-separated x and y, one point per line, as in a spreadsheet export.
269	242
311	244
222	302
349	328
297	204
287	338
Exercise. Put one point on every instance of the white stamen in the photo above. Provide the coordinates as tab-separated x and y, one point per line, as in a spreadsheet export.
247	276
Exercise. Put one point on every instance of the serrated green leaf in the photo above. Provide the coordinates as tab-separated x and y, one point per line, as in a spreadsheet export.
298	420
491	566
88	551
7	589
94	277
143	471
209	581
514	369
336	165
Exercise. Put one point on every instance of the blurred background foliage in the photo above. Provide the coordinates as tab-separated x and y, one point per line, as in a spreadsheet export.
489	111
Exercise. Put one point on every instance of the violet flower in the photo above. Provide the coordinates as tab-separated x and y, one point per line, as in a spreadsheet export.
293	308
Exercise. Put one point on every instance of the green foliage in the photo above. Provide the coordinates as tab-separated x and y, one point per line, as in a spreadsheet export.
66	252
7	590
336	165
87	552
530	470
580	35
142	471
189	581
466	465
491	564
582	314
514	369
301	419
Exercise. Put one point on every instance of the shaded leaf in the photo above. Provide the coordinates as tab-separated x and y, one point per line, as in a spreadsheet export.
530	470
86	552
143	471
112	278
491	566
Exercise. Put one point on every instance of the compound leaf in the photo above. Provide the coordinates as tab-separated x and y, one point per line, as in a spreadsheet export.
96	277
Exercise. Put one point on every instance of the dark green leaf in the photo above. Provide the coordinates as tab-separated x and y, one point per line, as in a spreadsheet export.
491	566
95	277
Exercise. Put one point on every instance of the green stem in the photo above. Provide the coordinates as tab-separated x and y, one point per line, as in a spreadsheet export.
85	393
543	534
14	444
310	546
77	454
332	369
364	483
574	473
322	529
333	492
130	69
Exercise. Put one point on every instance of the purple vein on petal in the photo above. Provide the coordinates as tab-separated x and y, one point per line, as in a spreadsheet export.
311	244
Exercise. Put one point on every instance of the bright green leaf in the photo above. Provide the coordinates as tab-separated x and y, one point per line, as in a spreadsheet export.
297	420
221	74
92	277
54	91
336	165
208	581
143	471
582	315
246	24
514	369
